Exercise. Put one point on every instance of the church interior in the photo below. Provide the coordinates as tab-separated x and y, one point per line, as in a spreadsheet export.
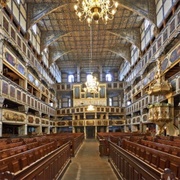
74	71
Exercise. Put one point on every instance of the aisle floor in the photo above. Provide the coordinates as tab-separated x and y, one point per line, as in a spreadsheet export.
88	165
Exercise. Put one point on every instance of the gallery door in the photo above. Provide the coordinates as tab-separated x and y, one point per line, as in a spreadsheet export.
90	132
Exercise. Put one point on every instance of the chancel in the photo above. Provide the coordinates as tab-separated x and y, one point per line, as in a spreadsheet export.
89	89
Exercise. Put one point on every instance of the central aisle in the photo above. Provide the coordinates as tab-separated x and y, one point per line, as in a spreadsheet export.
88	165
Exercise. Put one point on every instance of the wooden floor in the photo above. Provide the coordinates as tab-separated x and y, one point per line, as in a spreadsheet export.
88	165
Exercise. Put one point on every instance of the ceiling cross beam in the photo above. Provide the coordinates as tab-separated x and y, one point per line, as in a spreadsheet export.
55	55
48	37
36	11
122	51
132	35
144	8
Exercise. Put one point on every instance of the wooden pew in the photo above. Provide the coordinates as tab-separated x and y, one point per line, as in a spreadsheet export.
19	161
156	158
48	167
129	166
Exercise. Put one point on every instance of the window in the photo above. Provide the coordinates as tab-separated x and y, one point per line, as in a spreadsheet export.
71	78
108	77
110	101
146	24
69	102
128	103
34	28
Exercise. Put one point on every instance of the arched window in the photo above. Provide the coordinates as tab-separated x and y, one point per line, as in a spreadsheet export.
71	78
108	77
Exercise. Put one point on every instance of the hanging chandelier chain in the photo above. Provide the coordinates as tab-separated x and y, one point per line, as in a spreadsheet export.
91	45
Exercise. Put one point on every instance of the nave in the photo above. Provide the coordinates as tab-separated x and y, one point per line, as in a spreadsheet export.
88	165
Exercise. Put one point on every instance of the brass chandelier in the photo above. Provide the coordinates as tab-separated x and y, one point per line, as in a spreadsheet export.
92	85
96	9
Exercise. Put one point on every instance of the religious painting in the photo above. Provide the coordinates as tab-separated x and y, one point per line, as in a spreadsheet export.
175	54
18	95
173	84
150	54
172	26
10	58
5	24
32	102
19	41
30	77
154	49
13	34
165	35
24	48
164	64
145	81
5	88
28	101
21	69
35	104
12	91
159	43
24	98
